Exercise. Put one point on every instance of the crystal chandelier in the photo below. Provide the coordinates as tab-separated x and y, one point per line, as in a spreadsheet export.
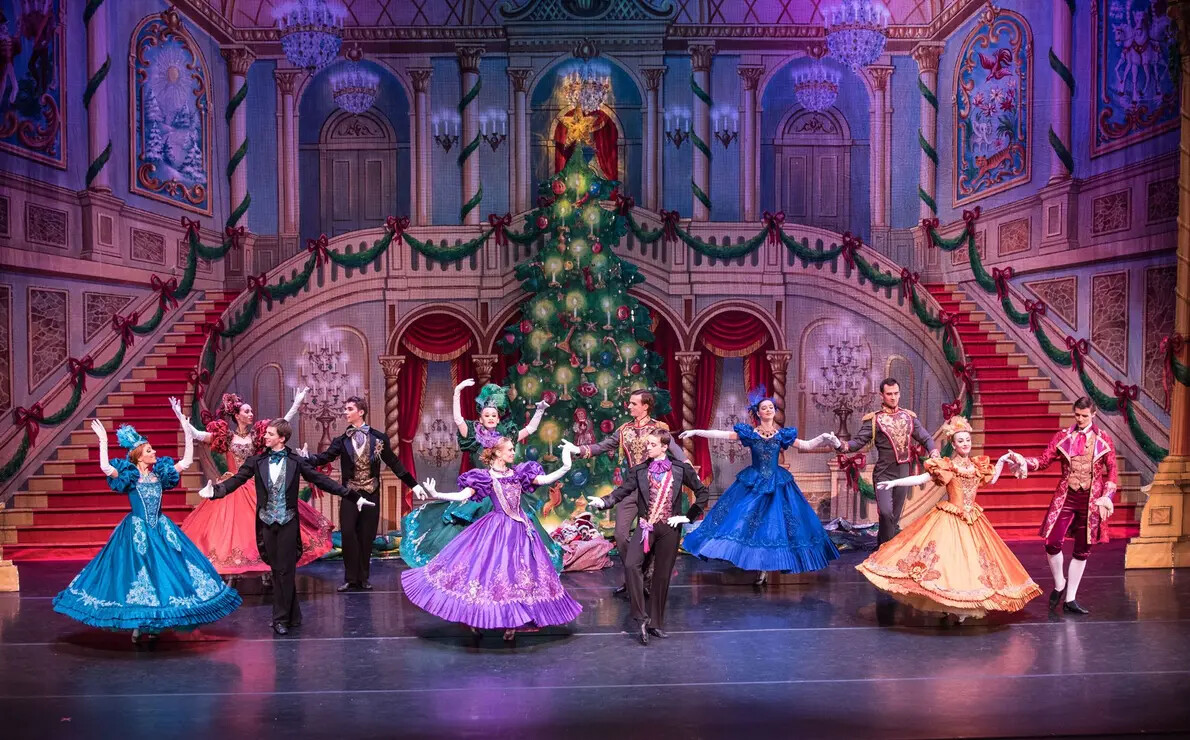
816	86
353	87
856	31
311	31
586	88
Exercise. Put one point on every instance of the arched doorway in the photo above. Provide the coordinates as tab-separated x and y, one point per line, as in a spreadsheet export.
357	157
813	158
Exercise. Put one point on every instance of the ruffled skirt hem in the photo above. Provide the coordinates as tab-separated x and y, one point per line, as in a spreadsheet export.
914	594
795	559
507	615
149	618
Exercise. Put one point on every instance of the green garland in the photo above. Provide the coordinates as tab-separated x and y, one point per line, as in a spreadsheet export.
1062	357
699	194
93	84
469	149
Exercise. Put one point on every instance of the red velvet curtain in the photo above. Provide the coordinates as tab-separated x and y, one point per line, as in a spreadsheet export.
434	338
706	392
666	344
604	141
462	368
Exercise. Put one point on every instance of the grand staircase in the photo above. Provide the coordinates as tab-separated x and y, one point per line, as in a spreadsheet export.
1019	409
66	510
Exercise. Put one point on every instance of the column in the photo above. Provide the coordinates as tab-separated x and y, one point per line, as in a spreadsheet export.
779	365
750	142
688	367
1063	90
483	368
472	192
927	56
878	171
99	140
651	182
700	182
423	188
1164	540
238	60
287	171
390	507
522	176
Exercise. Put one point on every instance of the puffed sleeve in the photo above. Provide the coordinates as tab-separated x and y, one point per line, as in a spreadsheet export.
940	470
166	473
470	443
528	472
127	477
746	433
984	467
220	436
787	436
478	480
258	430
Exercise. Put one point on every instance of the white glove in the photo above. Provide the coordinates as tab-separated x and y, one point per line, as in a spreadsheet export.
429	489
304	452
884	485
464	384
833	440
577	449
419	493
1105	506
104	464
674	521
361	502
207	491
568	450
176	405
301	396
594	502
707	434
690	433
535	422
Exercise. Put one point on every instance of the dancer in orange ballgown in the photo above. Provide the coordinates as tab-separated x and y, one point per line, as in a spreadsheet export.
224	529
951	560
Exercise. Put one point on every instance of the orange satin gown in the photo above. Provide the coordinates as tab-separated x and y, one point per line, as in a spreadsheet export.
951	559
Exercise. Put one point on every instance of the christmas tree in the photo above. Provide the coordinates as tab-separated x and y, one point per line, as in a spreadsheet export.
581	338
154	121
192	167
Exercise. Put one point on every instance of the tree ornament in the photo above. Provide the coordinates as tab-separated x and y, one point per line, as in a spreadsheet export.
542	222
607	426
526	326
522	368
532	453
622	313
596	247
606	359
575	361
635	369
558	187
510	338
549	397
587	389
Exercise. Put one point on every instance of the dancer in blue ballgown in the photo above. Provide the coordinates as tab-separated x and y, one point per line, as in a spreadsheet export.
149	577
762	522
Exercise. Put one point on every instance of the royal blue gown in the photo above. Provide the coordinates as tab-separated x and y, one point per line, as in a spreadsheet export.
762	522
149	576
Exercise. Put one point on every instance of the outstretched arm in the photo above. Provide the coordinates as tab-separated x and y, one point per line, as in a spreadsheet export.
456	406
913	480
389	458
923	438
863	436
188	453
430	490
709	434
104	463
533	423
298	400
826	439
626	489
544	480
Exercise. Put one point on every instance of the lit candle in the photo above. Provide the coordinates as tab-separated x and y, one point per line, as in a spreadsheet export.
435	121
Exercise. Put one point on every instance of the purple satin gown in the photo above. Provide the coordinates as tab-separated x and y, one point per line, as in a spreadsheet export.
496	573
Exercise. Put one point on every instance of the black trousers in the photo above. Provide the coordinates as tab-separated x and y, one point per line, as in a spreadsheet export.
663	552
358	529
282	544
889	504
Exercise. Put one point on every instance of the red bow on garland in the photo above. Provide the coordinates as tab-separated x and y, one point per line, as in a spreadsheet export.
624	204
966	375
970	217
950	322
206	416
397	226
773	222
320	248
1171	347
850	466
199	378
1035	309
499	224
1002	277
930	225
669	222
123	325
908	282
78	370
951	410
29	418
236	235
191	227
850	245
212	327
259	284
165	290
1125	395
1078	349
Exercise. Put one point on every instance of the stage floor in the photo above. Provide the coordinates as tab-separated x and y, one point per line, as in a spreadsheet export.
805	660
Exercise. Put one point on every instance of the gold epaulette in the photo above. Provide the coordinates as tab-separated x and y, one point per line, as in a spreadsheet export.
868	416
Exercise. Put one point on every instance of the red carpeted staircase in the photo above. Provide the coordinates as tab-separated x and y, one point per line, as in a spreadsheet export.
66	511
1018	408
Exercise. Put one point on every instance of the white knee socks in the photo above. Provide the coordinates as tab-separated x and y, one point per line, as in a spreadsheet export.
1076	574
1056	570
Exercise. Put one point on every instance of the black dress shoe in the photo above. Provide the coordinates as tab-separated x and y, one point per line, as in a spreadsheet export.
1072	607
621	589
366	585
644	634
280	629
348	586
1056	597
655	632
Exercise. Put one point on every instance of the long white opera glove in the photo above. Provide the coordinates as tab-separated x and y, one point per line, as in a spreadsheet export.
188	452
535	422
674	521
298	399
594	502
707	434
207	491
456	406
104	464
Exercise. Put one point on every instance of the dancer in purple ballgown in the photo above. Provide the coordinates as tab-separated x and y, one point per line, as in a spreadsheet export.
496	573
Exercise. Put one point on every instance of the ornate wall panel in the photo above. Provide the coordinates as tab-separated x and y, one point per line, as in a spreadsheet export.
1160	288
32	79
1109	318
48	335
171	143
1014	237
1135	95
98	310
1060	296
1111	212
993	107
